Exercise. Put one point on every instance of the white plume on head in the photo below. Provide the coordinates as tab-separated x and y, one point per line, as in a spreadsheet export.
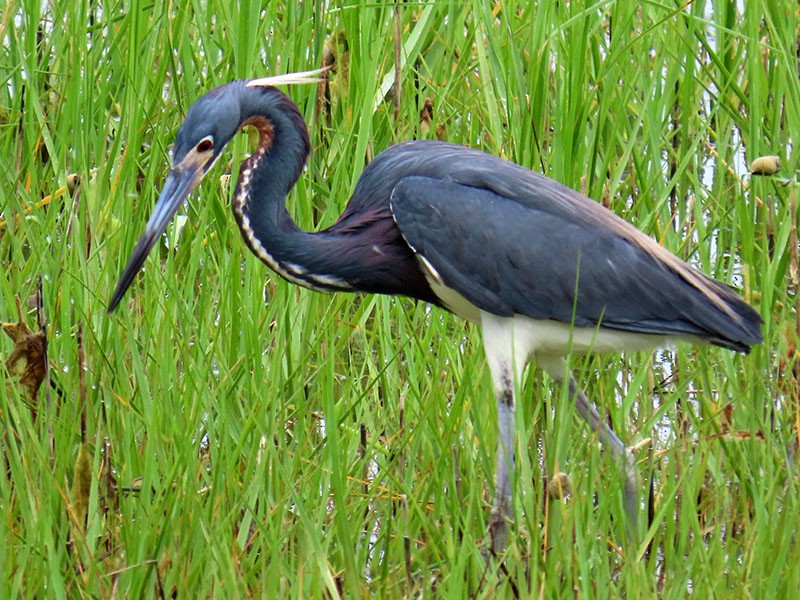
289	78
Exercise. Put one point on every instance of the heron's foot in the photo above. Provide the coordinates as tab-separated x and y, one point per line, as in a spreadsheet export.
498	532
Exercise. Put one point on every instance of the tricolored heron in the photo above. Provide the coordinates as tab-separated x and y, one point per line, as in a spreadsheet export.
543	269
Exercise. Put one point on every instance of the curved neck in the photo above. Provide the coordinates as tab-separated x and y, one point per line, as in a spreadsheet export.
362	251
265	179
267	175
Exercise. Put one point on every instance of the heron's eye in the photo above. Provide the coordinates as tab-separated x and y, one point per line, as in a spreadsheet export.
205	144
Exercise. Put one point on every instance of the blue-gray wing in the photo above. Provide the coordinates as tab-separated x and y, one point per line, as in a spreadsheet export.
531	258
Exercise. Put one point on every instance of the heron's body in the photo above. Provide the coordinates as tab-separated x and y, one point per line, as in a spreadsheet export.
543	269
487	234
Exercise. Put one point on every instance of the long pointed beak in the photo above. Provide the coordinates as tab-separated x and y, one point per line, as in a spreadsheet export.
179	184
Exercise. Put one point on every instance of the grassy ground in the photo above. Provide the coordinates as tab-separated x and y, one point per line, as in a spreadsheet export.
320	445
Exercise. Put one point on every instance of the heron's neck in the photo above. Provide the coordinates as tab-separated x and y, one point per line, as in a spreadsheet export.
265	179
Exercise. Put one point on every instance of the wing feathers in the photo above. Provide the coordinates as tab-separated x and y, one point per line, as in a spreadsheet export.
582	265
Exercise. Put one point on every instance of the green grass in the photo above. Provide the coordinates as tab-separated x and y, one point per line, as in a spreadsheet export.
319	445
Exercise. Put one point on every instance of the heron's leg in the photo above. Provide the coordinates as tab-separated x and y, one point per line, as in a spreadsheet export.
610	440
504	468
506	355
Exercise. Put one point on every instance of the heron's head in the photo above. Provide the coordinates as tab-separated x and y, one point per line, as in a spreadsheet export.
210	124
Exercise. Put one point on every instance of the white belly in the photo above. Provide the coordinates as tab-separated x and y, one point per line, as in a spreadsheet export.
544	341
